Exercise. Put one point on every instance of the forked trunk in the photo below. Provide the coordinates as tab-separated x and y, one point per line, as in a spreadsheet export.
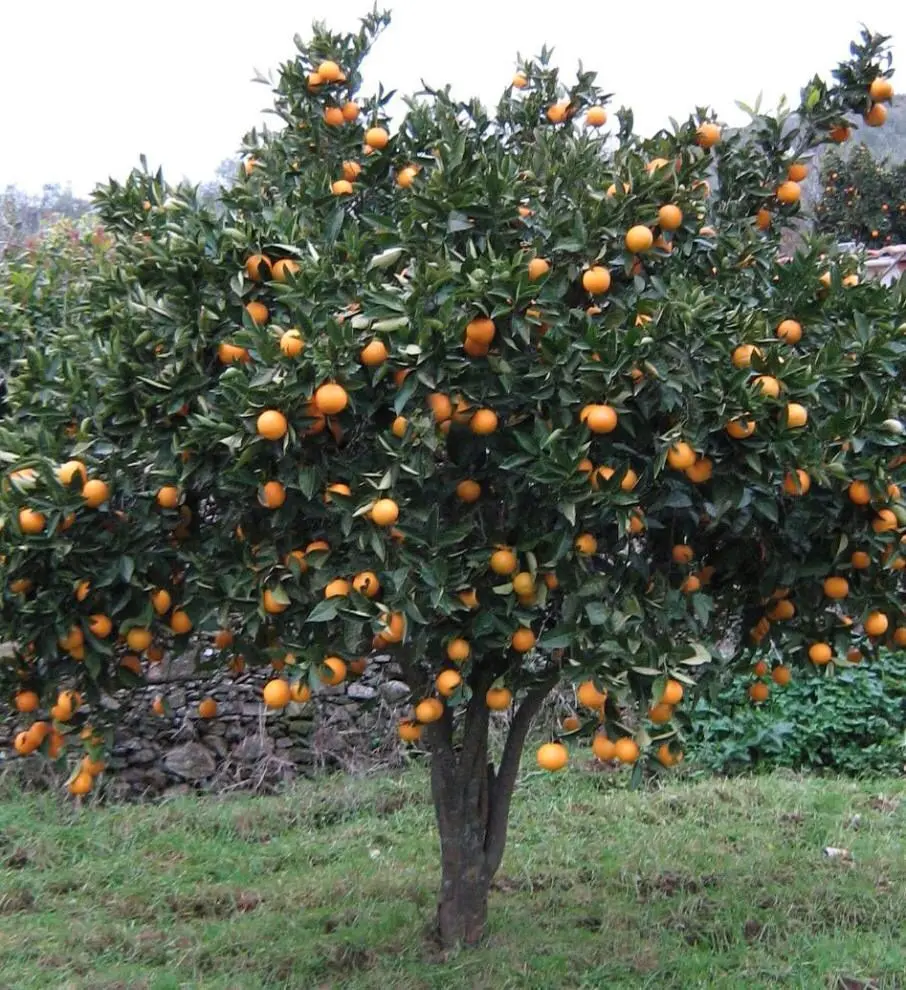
472	804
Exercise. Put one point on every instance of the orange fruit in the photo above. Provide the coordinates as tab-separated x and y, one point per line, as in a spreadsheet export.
742	356
338	588
71	469
92	767
258	312
599	418
440	406
409	731
820	653
875	624
81	784
672	693
483	422
524	584
273	494
690	585
31	522
707	135
331	399
876	116
740	429
469	598
480	331
781	675
100	626
596	280
836	587
558	112
299	693
538	268
341	187
884	522
333	117
667	757
503	561
522	640
276	693
95	493
626	750
395	627
681	456
860	560
329	72
26	701
377	138
458	650
796	415
167	497
682	553
571	723
797	171
859	493
138	639
881	90
789	331
596	116
552	756
638	239
519	81
429	710
180	622
271	425
670	217
157	706
374	353
797	482
258	267
385	512
899	636
603	748
782	611
468	490
700	471
498	699
351	171
366	583
769	386
660	714
230	354
332	671
161	600
788	192
284	268
406	176
760	668
759	692
207	708
448	682
586	544
223	638
763	219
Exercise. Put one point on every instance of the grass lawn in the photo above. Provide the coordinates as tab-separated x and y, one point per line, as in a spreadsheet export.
701	884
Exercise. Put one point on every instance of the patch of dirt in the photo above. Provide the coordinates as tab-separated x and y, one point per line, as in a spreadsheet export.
884	804
791	818
217	904
753	930
853	983
18	859
344	958
16	900
668	884
390	804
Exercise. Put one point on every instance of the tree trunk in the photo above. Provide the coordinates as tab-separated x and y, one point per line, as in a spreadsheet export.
472	804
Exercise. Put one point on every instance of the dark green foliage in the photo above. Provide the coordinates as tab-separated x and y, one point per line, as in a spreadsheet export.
851	722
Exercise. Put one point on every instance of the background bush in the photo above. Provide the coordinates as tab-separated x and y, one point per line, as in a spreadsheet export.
852	722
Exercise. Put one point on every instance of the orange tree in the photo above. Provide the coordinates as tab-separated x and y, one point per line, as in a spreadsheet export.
513	396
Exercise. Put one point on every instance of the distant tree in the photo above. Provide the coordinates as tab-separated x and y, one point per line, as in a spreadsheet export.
863	198
22	215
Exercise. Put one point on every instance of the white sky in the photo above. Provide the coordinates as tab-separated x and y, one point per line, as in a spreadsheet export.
90	84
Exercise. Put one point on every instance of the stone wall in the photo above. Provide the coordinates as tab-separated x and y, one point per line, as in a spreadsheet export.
351	726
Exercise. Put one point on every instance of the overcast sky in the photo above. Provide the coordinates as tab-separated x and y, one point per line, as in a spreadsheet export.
88	85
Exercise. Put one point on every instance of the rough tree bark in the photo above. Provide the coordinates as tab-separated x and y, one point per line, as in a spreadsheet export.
472	804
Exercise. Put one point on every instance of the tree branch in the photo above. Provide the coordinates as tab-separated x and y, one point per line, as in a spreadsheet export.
505	780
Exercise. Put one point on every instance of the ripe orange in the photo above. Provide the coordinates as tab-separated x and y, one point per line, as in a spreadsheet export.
366	583
820	653
759	692
740	429
638	239
284	268
558	112
881	90
667	757
796	415
670	217
332	671
707	135
797	171
341	187
571	723
503	561
351	171
599	418
167	497
797	483
483	422
180	623
258	312
448	682
789	331
538	268
660	714
271	425
769	386
160	600
884	522
207	708
223	638
859	493
31	522
760	668
100	626
626	750
95	493
682	553
519	81
329	72
498	699
273	495
742	356
258	267
836	587
875	624
700	471
338	588
333	117
230	354
596	116
92	767
429	710
374	353
522	640
789	192
876	116
552	756
377	138
157	706
458	650
299	693
763	219
603	748
672	693
681	456
860	560
26	701
468	490
782	611
395	627
899	636
636	522
138	639
586	544
524	584
781	675
331	399
596	280
409	731
81	784
385	512
71	469
480	331
277	693
469	598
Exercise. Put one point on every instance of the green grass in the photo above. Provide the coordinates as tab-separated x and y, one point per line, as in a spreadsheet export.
701	884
